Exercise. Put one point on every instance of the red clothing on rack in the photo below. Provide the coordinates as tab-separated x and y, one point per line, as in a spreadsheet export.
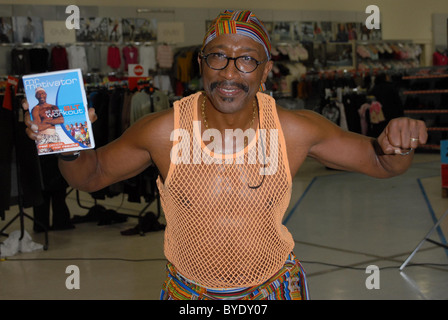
113	57
440	59
59	58
130	55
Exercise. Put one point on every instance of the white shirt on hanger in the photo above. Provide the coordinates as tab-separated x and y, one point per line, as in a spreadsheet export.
77	58
147	56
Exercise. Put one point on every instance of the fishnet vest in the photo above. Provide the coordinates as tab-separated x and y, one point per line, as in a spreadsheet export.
222	230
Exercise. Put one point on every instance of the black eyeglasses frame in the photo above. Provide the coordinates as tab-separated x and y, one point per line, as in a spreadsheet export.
205	56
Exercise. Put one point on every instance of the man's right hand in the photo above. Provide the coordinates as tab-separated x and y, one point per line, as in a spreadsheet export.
92	115
31	128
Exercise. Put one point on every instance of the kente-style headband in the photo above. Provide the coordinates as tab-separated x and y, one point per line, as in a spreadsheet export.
239	22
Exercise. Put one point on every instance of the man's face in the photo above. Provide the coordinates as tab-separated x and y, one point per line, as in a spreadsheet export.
229	89
41	96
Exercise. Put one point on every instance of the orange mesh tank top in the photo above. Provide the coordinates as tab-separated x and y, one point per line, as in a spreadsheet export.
223	217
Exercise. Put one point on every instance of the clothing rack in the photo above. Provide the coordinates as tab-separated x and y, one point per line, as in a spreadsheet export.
21	215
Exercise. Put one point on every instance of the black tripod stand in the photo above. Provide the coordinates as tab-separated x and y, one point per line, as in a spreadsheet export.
21	214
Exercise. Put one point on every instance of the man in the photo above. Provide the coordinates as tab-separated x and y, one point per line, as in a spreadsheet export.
224	202
46	116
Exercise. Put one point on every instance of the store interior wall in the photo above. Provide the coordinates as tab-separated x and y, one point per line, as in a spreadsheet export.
424	22
402	19
440	30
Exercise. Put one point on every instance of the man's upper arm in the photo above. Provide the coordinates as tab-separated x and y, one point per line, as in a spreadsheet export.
126	156
147	141
340	149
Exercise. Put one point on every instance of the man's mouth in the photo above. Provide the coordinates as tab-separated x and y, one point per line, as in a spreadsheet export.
229	87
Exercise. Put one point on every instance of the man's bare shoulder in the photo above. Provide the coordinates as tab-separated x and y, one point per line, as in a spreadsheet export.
157	120
152	127
301	121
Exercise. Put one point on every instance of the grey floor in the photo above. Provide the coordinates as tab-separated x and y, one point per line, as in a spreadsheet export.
342	223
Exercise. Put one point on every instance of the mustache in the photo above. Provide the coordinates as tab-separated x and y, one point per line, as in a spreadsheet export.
227	83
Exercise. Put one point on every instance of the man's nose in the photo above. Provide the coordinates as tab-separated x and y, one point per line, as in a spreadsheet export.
230	71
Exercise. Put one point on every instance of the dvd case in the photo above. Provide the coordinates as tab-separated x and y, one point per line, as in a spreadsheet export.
58	106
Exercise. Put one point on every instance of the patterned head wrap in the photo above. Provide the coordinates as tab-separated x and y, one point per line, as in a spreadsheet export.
244	23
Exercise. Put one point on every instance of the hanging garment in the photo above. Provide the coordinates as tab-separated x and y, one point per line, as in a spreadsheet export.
14	139
100	101
39	58
332	113
113	57
147	56
387	94
58	59
6	132
54	195
352	102
130	56
143	103
376	112
362	114
440	59
164	56
115	112
93	54
20	61
126	110
183	66
343	120
163	83
77	58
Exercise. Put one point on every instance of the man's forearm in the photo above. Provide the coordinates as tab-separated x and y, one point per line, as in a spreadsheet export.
82	173
393	164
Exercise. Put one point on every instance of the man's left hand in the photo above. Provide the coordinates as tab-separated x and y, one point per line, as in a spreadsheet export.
402	135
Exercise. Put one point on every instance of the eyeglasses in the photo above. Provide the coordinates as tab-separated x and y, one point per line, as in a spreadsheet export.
219	61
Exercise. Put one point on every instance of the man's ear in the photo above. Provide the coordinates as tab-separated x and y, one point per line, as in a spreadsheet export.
267	69
200	64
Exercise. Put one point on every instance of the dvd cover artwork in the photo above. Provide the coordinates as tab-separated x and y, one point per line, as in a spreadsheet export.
58	106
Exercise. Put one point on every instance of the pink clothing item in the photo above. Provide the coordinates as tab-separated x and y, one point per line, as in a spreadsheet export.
375	106
164	56
363	52
376	112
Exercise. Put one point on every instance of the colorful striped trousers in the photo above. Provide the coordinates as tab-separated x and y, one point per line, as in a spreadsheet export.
289	283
